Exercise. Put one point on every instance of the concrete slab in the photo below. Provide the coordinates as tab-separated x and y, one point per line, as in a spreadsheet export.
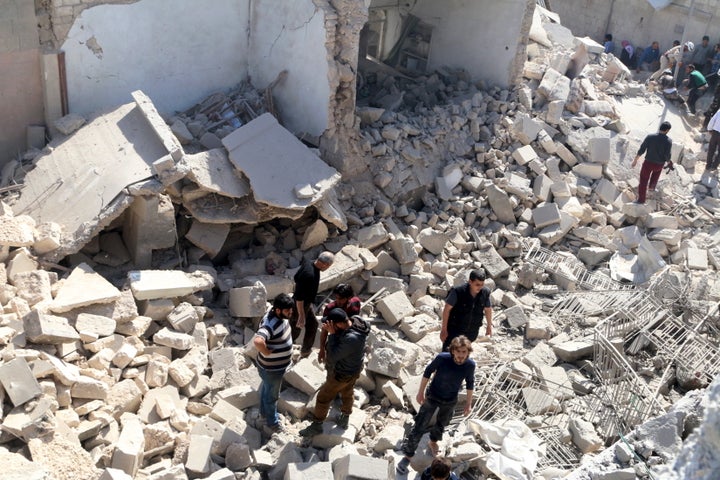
276	162
212	171
83	287
70	185
153	284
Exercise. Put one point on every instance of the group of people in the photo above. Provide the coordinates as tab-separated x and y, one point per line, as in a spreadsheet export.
342	349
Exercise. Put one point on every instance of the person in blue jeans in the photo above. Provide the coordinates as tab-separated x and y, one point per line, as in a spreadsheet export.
448	371
273	341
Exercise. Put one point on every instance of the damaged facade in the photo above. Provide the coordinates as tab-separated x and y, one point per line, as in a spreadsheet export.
141	247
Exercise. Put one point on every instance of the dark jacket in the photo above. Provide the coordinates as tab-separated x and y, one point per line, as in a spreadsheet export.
467	313
346	348
307	281
658	147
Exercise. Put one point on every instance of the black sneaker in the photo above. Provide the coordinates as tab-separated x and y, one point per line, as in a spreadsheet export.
342	421
402	466
315	428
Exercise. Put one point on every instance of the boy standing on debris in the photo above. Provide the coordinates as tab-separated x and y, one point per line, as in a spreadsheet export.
307	281
658	148
464	309
345	359
448	371
273	341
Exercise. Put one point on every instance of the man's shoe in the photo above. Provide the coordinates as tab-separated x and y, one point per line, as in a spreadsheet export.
315	428
342	421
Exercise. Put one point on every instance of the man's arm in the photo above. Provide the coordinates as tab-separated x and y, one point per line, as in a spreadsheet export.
323	339
445	318
300	307
260	345
468	402
488	318
640	152
421	391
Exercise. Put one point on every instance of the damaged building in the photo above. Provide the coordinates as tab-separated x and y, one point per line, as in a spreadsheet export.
166	167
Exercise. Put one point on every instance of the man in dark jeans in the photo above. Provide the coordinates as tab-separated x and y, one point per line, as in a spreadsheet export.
658	148
697	84
307	281
345	359
448	371
464	309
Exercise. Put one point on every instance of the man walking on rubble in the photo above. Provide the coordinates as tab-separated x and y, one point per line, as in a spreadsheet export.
273	341
658	147
345	360
713	153
697	84
448	371
464	309
307	281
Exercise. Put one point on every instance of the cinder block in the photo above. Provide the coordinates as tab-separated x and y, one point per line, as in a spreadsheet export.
358	467
183	318
548	214
128	454
395	307
599	150
198	459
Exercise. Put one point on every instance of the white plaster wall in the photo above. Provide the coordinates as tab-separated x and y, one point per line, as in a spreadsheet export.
176	51
291	35
480	36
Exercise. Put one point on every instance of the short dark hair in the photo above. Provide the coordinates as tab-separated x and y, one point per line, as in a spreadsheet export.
283	301
665	126
608	36
691	67
440	468
343	290
477	275
705	37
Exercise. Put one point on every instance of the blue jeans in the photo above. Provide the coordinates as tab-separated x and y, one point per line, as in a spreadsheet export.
445	411
269	393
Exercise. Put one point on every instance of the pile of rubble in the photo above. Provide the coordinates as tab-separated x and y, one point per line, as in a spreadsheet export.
603	306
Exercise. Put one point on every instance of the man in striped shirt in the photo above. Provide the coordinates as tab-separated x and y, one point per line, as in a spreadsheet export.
273	341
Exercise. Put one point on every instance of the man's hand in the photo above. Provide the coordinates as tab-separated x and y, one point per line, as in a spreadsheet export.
420	397
443	334
466	410
301	319
488	331
669	166
634	162
321	355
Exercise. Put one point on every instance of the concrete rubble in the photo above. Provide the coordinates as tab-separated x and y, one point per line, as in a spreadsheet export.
129	301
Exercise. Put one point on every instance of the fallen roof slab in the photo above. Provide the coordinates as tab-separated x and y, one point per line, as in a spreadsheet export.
82	175
212	171
278	164
214	208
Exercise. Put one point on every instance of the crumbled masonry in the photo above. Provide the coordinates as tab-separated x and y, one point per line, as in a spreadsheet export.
128	309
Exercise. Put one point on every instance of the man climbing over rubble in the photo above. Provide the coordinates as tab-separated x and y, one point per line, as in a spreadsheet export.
697	84
657	149
464	309
345	360
307	281
448	371
273	341
346	300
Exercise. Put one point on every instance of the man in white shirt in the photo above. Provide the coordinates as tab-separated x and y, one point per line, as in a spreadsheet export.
713	156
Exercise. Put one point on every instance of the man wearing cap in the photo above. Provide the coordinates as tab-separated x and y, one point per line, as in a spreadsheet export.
671	57
307	281
345	359
273	341
346	300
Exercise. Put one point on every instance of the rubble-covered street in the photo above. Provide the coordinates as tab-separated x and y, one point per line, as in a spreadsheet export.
139	251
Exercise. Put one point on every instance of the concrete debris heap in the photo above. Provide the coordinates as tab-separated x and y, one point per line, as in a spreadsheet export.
133	275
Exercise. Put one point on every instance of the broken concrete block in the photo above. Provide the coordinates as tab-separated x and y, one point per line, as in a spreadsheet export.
308	471
153	284
176	340
198	459
395	307
16	231
416	327
661	220
348	263
316	234
524	154
161	129
128	453
98	324
500	204
541	355
69	123
669	236
395	395
42	328
18	381
599	150
538	402
584	436
544	215
432	240
34	287
209	237
606	191
248	301
556	382
390	284
566	155
593	171
83	287
183	318
87	387
697	258
592	256
306	376
516	316
372	236
538	328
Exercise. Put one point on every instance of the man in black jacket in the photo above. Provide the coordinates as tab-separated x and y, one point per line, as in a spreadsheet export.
464	309
307	281
345	361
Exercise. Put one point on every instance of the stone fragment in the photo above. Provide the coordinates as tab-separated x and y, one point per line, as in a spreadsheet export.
516	316
358	467
432	240
584	436
42	328
83	287
153	284
18	381
395	307
209	237
98	324
129	450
